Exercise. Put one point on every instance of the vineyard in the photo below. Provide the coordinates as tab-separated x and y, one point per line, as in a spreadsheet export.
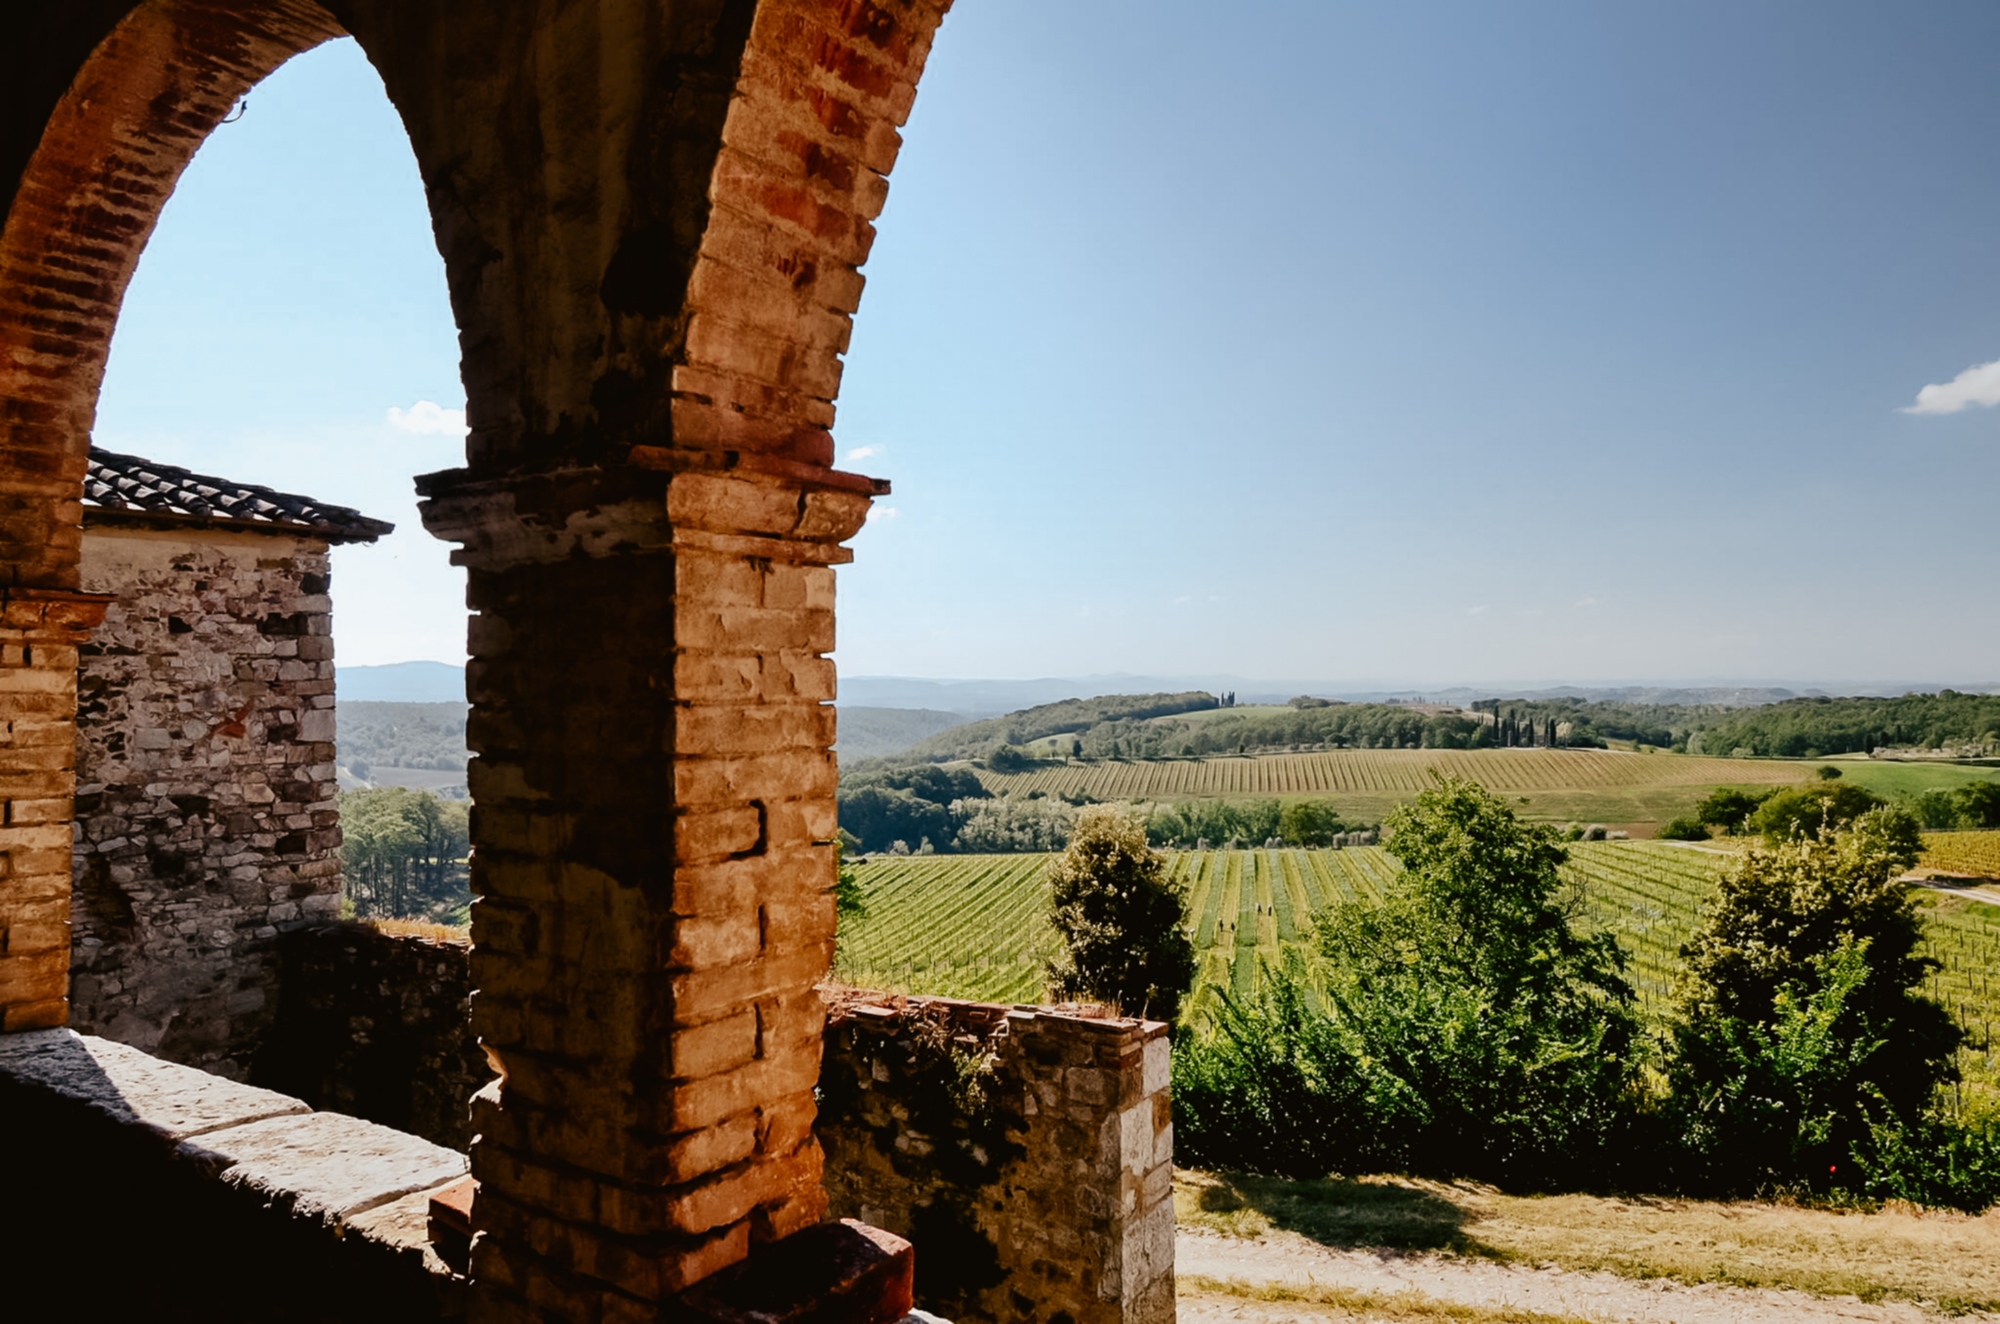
1975	853
972	926
1394	772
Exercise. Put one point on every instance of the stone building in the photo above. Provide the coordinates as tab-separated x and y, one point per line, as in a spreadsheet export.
205	814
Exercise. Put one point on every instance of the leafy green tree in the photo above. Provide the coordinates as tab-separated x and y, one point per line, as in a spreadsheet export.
1457	1027
1798	1008
1122	921
403	852
1939	809
1309	823
1980	804
1729	807
1804	810
1506	1040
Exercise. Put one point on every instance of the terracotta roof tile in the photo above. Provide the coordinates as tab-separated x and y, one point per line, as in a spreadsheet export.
129	483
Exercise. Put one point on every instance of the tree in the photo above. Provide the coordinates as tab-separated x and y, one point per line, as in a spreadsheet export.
1121	920
402	852
1980	804
1456	1027
1798	1011
1804	810
1728	807
1309	823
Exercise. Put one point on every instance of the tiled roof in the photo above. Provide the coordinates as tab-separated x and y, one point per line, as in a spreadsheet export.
129	483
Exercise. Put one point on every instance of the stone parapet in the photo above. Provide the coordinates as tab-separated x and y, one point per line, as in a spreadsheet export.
1026	1152
217	1200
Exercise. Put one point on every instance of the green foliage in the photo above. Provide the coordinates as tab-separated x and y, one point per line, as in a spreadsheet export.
1939	809
401	735
1730	807
977	739
1798	1009
1827	773
1979	804
850	899
1009	759
1467	1029
1932	1161
1811	728
1309	823
887	805
1688	827
1804	810
1121	920
402	853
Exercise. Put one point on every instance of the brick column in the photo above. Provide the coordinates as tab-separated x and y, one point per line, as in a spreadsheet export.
40	630
654	808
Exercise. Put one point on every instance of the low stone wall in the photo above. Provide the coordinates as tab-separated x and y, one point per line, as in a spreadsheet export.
142	1189
1026	1152
378	1025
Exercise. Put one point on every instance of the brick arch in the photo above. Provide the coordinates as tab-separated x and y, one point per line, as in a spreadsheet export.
112	148
652	215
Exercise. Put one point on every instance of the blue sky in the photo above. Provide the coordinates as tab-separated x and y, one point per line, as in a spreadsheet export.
1412	344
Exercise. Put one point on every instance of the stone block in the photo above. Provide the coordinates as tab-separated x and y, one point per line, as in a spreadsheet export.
836	1273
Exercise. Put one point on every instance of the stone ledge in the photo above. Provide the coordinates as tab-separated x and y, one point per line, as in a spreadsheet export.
236	1193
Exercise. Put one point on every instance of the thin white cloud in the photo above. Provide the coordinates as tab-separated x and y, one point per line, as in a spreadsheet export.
1978	385
427	418
882	512
860	453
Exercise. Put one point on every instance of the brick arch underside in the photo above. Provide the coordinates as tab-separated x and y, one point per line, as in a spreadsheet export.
112	149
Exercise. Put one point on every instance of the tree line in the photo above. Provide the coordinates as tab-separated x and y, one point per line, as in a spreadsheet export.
403	854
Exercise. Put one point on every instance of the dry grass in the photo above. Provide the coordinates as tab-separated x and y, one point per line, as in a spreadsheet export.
1341	1303
418	928
1948	1260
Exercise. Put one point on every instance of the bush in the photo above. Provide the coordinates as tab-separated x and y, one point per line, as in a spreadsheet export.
1122	921
1687	827
1939	810
1933	1161
1798	1010
1727	807
1803	811
1463	1029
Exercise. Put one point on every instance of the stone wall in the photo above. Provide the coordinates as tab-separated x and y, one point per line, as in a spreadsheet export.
378	1025
1026	1152
206	822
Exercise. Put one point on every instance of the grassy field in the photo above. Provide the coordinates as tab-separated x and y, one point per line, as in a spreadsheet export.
972	925
1948	1261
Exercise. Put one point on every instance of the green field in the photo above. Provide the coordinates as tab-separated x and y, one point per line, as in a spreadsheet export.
972	926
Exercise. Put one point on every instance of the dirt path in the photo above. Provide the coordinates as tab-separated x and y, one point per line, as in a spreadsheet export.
1290	1260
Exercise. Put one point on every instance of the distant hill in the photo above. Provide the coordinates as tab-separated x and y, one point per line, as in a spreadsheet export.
402	682
978	739
870	733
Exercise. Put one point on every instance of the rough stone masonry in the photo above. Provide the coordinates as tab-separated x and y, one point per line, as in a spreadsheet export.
206	822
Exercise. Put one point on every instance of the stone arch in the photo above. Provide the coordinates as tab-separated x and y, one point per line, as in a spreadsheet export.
652	215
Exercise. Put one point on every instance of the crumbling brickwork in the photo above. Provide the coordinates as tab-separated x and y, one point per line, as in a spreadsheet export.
206	817
1027	1153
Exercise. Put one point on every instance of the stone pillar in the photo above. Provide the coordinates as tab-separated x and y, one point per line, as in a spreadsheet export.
40	630
652	859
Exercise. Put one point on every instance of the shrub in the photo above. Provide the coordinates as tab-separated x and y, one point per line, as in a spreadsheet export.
1798	1008
1727	807
1932	1161
1940	810
1462	1028
1805	810
1122	922
1687	827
